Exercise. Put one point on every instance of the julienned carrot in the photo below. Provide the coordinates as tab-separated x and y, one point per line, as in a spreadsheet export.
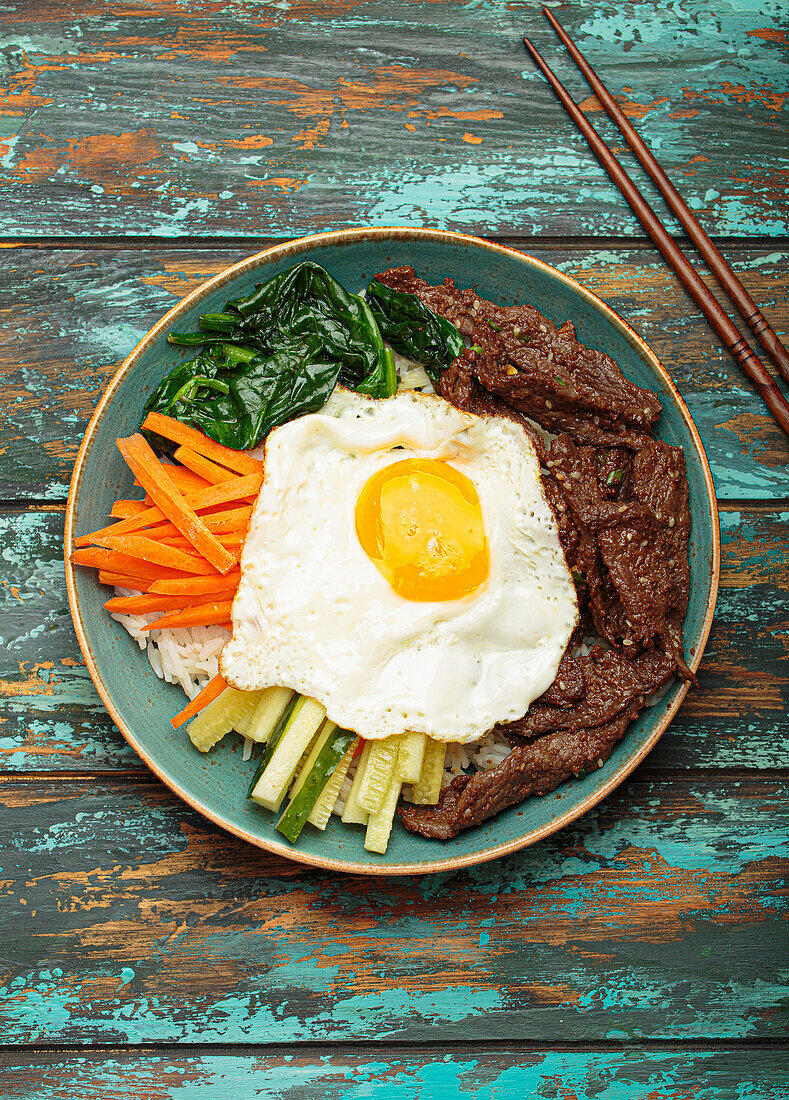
167	496
187	480
197	585
122	509
204	467
211	691
212	497
157	553
180	433
114	561
120	580
231	540
205	614
232	521
146	604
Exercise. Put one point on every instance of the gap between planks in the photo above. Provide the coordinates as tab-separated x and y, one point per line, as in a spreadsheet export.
739	504
524	243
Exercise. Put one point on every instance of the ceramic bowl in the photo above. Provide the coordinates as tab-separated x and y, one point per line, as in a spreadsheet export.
215	784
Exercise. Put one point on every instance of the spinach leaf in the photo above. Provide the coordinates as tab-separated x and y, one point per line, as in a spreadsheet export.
276	354
414	330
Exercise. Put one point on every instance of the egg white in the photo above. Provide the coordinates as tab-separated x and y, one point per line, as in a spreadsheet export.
314	613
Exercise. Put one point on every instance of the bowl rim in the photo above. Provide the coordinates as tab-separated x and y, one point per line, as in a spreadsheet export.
292	249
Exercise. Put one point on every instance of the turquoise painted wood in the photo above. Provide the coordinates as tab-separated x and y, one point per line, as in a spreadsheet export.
51	718
258	117
485	1073
78	313
660	915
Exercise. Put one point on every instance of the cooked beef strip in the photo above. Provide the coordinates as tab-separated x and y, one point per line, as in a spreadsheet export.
539	369
610	685
532	767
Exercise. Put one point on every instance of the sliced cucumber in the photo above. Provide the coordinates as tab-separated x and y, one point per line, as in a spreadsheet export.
221	716
379	770
379	825
353	814
272	742
411	756
426	790
321	812
263	720
300	729
328	750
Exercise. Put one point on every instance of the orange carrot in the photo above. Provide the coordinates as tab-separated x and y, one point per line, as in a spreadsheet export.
122	509
207	469
113	561
232	521
205	614
186	480
167	496
211	691
231	540
176	432
120	580
137	546
145	604
212	497
197	585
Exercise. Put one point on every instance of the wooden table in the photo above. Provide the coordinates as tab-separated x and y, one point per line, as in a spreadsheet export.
641	952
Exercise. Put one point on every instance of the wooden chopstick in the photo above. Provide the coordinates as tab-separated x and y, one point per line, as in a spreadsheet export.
715	261
732	339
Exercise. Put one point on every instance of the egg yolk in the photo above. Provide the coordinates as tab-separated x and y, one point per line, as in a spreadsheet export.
420	522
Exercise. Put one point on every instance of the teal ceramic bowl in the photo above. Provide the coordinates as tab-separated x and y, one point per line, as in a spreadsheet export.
215	784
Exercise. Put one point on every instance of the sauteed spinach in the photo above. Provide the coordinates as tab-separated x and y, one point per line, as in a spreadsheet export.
275	354
414	330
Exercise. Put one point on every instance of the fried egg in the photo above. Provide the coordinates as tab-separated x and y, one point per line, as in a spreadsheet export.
402	567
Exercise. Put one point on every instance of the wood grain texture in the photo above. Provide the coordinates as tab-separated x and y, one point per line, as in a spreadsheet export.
659	915
392	1074
166	120
51	718
68	318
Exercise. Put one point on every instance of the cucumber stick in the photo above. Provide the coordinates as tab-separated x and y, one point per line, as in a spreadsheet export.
411	756
379	825
263	719
302	725
428	787
328	750
353	814
221	715
379	770
321	812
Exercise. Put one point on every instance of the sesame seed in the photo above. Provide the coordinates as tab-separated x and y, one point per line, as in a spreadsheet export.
629	536
596	419
599	761
550	357
512	370
548	405
622	508
626	641
543	328
516	331
646	412
671	521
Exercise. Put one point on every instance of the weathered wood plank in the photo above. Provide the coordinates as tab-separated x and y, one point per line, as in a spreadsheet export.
51	718
391	1074
69	317
305	116
659	915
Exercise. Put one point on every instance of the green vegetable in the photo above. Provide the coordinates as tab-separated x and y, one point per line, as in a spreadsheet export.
378	772
273	741
494	326
321	812
561	381
427	790
411	756
379	825
614	477
414	330
273	355
263	720
302	726
222	714
329	749
354	814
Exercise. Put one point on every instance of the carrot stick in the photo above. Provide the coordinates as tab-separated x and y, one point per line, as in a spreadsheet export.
186	480
231	540
113	561
215	495
122	509
211	691
145	604
206	614
121	580
197	585
137	546
173	503
207	469
176	432
232	521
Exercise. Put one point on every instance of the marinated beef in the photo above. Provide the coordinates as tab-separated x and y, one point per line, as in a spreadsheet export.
532	767
610	685
539	369
621	503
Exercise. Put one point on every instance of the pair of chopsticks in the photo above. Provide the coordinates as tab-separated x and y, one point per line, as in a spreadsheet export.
733	341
